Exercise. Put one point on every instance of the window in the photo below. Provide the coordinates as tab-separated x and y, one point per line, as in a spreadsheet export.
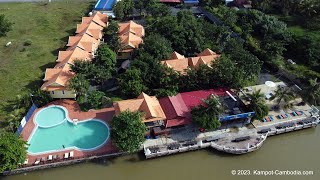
52	92
62	92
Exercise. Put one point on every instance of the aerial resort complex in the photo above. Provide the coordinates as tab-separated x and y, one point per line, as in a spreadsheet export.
159	78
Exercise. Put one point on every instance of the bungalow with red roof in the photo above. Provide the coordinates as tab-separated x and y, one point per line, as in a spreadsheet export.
180	64
82	46
178	108
130	34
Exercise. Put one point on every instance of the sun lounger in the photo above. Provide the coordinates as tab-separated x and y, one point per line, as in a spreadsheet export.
298	113
264	120
37	162
287	115
50	158
294	113
282	115
71	154
66	155
271	118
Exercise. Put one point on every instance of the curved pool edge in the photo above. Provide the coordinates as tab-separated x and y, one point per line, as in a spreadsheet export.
66	113
70	121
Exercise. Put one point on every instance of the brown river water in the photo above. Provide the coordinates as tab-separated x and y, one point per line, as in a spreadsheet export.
292	151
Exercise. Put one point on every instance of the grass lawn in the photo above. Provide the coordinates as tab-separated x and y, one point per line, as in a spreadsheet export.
47	27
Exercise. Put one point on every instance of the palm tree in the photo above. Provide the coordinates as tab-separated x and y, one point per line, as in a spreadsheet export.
213	105
312	93
256	97
257	104
285	95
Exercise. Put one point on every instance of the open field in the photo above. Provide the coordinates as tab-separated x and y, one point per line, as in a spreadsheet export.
39	31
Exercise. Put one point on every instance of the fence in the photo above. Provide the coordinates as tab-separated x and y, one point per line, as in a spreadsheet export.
26	118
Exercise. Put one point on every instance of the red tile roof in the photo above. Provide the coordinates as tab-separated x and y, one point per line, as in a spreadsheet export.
178	108
180	63
194	98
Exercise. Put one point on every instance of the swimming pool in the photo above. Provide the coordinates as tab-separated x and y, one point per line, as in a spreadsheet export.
105	5
56	131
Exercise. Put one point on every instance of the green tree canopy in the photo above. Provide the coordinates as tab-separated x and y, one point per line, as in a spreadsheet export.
258	104
157	46
5	25
128	131
94	99
312	92
123	9
285	95
206	115
41	97
79	84
158	10
13	151
131	83
106	57
183	30
211	3
83	67
112	36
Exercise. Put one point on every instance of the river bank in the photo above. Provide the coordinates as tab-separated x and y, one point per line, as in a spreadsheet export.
289	151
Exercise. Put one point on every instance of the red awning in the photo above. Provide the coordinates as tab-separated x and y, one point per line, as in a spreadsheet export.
178	122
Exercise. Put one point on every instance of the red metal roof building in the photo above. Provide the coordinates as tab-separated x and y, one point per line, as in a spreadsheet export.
178	108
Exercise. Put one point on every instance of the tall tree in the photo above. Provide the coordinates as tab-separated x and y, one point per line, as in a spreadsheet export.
128	131
13	151
183	30
5	25
123	9
257	104
41	97
158	10
106	57
79	84
112	36
312	92
206	115
157	46
285	95
83	67
131	83
94	99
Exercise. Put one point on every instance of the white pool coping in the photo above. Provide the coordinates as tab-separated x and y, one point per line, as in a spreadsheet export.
70	121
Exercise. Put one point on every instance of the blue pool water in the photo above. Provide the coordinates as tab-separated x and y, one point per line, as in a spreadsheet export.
105	5
85	135
50	116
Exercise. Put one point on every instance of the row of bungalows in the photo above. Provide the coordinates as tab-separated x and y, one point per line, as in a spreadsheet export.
161	115
82	46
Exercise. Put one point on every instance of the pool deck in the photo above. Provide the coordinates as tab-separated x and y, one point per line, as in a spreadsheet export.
74	112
